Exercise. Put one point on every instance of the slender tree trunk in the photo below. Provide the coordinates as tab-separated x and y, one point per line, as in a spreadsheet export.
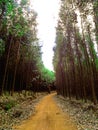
6	66
13	83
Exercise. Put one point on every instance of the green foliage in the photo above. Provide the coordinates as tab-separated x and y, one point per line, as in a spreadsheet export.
14	20
47	75
9	7
9	105
24	2
96	61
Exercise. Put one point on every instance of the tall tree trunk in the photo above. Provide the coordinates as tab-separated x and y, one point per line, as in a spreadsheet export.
13	83
6	66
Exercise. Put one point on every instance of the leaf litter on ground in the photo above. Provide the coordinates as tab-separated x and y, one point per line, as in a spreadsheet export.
14	109
85	114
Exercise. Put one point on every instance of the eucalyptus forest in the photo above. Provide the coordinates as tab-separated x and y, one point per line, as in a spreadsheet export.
20	50
72	85
76	51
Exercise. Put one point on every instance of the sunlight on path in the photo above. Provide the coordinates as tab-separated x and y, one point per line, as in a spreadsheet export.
48	117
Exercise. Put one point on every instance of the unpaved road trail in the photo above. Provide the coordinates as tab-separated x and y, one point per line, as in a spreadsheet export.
48	117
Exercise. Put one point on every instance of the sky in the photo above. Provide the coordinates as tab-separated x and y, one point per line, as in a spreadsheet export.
47	11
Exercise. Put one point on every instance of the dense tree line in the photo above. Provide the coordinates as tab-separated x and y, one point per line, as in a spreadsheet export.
76	51
20	52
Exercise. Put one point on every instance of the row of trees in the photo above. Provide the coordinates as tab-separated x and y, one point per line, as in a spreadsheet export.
20	51
76	51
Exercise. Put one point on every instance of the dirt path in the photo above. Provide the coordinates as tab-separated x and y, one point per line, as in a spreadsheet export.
48	117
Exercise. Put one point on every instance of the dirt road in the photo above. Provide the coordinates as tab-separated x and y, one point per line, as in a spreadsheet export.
48	117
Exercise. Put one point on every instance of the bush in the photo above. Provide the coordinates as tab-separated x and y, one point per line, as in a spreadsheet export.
8	105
